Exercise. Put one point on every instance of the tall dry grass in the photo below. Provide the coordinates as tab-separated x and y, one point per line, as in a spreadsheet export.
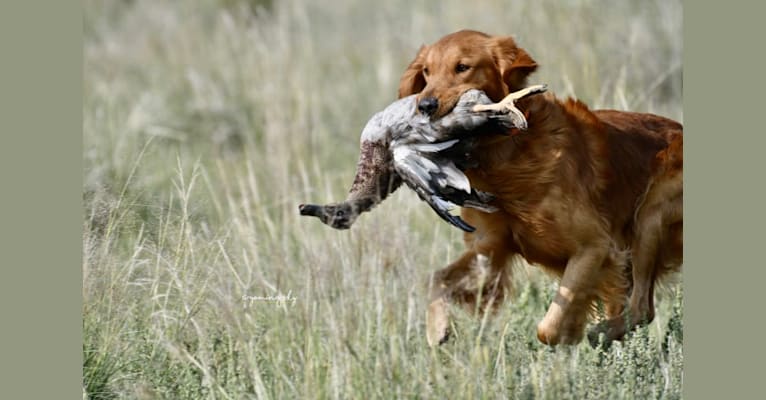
207	122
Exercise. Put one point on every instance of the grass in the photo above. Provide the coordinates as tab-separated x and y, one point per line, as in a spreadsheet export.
207	122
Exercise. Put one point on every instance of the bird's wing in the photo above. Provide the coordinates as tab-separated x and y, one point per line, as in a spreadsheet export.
414	169
429	179
442	208
433	147
437	174
449	175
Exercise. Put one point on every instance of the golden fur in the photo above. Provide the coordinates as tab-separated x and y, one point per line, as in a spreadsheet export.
595	197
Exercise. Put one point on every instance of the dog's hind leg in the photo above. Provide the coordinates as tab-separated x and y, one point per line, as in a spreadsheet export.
657	247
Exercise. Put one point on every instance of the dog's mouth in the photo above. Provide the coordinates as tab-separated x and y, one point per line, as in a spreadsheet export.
444	109
437	108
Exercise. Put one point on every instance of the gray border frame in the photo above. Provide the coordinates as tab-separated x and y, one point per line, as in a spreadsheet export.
723	314
41	212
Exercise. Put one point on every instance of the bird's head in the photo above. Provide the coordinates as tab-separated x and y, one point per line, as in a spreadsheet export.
338	215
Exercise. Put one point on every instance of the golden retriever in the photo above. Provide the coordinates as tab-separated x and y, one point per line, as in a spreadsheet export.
595	197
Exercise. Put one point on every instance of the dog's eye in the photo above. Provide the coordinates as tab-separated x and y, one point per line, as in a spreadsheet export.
340	213
461	68
425	71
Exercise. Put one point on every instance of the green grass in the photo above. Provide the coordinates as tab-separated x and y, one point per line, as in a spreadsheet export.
207	122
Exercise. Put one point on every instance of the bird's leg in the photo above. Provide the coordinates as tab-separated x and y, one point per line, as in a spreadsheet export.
508	104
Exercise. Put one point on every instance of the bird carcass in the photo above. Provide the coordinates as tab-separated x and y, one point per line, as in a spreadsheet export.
399	145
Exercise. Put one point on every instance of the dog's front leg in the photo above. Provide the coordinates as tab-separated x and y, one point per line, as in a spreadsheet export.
568	313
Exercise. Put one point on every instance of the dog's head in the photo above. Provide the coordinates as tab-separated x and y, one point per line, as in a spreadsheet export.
464	60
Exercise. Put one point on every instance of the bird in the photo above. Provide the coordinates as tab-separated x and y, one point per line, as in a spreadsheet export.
399	145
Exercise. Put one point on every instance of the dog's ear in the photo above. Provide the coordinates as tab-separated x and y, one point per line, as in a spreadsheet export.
514	63
412	80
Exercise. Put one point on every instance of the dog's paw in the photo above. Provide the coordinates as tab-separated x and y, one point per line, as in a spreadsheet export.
611	330
437	322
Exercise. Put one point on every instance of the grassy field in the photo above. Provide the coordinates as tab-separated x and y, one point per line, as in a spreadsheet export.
207	122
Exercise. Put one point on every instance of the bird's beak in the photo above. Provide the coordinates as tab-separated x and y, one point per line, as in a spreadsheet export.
310	209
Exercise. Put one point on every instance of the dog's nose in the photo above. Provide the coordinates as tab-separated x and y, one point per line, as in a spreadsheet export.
428	105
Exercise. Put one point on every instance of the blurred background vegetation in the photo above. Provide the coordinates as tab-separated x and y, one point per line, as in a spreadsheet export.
205	124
